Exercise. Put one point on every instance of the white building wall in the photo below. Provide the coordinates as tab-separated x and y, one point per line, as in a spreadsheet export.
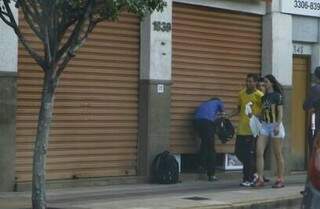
315	58
240	6
304	29
8	48
277	47
156	46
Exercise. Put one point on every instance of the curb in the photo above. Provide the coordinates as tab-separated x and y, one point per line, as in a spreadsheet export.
293	202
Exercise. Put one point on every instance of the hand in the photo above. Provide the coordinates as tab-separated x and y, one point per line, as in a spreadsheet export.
222	114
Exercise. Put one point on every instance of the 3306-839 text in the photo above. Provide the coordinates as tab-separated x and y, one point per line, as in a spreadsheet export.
306	5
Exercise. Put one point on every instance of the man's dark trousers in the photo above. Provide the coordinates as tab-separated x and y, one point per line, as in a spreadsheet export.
206	130
245	152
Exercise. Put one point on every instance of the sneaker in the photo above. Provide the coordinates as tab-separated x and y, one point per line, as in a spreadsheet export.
266	180
278	184
246	184
255	177
258	183
212	178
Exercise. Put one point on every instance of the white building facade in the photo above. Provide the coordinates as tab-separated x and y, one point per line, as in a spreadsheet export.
142	82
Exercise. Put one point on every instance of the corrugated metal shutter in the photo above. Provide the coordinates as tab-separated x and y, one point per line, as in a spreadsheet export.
213	50
95	123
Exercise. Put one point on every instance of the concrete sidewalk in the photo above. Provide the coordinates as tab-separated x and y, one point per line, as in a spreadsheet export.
223	194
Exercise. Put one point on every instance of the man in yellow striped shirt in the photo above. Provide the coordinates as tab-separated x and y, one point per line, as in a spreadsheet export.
245	142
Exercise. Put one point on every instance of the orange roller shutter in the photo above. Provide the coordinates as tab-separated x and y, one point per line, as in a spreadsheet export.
95	122
213	51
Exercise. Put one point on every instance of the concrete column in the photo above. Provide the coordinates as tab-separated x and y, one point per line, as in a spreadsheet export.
315	57
277	60
155	80
8	71
277	47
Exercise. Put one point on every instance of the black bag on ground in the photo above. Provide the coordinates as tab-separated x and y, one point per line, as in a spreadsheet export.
165	169
224	129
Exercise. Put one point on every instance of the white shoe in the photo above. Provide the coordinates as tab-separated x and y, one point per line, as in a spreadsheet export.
246	184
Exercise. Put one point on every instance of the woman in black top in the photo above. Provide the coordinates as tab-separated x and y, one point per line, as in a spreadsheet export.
272	129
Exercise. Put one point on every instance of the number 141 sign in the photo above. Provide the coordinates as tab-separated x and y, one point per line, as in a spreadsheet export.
301	7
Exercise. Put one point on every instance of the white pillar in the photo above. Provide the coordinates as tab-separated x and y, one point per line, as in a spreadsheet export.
8	48
155	87
156	45
277	47
277	60
8	71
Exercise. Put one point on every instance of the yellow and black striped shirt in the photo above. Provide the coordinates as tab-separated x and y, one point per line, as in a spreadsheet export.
270	103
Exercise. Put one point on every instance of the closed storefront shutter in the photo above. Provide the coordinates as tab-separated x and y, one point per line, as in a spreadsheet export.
213	51
95	122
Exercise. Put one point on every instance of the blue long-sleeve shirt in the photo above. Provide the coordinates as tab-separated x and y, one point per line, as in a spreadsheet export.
209	109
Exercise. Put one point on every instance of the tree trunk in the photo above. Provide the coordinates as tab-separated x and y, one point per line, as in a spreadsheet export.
41	144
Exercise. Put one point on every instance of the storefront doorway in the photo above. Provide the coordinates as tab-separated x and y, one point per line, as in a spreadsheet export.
299	116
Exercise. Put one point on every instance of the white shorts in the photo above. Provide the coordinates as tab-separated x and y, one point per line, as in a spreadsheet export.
267	129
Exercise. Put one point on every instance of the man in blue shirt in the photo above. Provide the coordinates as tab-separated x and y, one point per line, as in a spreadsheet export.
205	116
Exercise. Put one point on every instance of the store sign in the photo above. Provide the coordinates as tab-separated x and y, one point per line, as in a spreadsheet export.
301	7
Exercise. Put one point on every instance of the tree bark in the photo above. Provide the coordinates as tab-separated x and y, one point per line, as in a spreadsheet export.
41	143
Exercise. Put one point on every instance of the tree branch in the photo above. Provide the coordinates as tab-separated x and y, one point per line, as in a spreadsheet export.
46	23
75	40
81	41
68	18
53	35
3	18
31	18
16	29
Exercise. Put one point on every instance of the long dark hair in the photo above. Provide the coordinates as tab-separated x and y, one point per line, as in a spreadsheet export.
277	87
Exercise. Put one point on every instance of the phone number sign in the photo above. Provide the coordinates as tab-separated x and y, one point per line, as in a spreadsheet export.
301	7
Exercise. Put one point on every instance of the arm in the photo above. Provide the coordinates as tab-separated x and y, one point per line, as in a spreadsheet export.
235	112
221	112
258	113
279	119
238	108
279	108
280	113
309	116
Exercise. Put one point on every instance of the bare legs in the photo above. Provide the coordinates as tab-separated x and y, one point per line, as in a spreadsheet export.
277	150
262	143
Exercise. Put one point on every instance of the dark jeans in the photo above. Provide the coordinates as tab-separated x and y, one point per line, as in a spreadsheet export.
207	155
245	149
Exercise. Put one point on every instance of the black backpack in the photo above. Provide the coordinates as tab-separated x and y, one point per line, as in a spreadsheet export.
224	129
165	169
